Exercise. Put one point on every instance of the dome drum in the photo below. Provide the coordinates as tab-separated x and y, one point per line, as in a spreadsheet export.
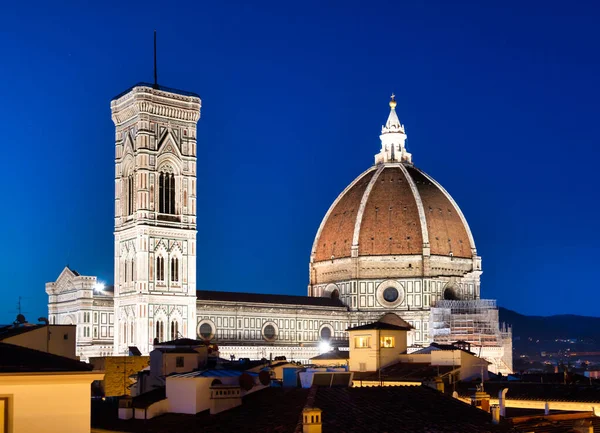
408	294
373	267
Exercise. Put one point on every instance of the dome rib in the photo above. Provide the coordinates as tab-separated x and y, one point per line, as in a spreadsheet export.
448	230
420	209
458	211
334	226
391	224
361	210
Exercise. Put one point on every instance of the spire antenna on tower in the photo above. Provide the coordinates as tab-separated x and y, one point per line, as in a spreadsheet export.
155	71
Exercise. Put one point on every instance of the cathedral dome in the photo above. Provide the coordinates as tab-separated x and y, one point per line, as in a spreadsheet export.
393	221
393	209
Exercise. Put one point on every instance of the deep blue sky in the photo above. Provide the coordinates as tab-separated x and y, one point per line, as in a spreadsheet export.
499	99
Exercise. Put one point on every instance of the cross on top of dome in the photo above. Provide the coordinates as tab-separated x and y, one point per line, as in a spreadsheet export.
392	138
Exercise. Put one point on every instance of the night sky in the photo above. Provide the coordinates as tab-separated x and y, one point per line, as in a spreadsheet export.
499	100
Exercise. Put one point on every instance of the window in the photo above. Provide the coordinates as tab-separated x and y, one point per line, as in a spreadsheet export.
160	330
4	414
131	332
128	195
387	342
174	269
160	269
326	333
166	193
179	362
361	342
206	331
269	332
390	294
174	330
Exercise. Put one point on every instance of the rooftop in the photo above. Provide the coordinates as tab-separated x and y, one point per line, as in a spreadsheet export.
18	359
264	298
405	372
372	409
12	330
536	391
333	355
213	373
187	342
388	321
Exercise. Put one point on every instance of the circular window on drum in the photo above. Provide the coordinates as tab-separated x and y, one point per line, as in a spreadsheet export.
206	330
326	333
390	293
269	331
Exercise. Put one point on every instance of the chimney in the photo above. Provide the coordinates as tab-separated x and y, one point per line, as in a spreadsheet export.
481	399
583	426
436	383
311	420
502	401
495	409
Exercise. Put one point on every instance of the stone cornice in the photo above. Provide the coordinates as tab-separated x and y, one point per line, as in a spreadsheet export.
152	102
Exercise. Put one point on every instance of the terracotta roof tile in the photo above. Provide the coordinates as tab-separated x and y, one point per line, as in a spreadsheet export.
349	410
390	223
336	235
444	225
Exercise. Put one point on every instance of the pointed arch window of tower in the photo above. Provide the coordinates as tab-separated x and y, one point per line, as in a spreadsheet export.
160	330
174	269
174	330
166	193
129	194
160	269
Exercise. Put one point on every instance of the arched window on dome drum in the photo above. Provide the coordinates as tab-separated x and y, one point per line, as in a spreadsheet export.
450	294
166	193
175	269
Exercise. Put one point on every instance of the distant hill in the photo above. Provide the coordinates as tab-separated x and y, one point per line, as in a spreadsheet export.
551	327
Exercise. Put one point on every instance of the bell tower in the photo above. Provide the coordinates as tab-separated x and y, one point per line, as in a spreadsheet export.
155	215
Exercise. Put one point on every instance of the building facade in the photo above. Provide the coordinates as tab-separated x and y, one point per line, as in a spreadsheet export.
74	299
393	241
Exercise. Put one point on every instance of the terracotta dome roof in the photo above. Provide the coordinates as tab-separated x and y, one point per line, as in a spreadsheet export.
393	209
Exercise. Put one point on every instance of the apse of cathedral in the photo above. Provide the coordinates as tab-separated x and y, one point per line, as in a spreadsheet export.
393	241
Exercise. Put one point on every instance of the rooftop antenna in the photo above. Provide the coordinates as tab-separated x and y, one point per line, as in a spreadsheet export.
155	72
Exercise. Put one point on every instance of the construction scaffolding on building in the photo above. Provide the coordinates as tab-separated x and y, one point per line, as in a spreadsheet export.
475	322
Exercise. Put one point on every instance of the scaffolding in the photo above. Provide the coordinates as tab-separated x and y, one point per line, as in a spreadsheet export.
475	322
